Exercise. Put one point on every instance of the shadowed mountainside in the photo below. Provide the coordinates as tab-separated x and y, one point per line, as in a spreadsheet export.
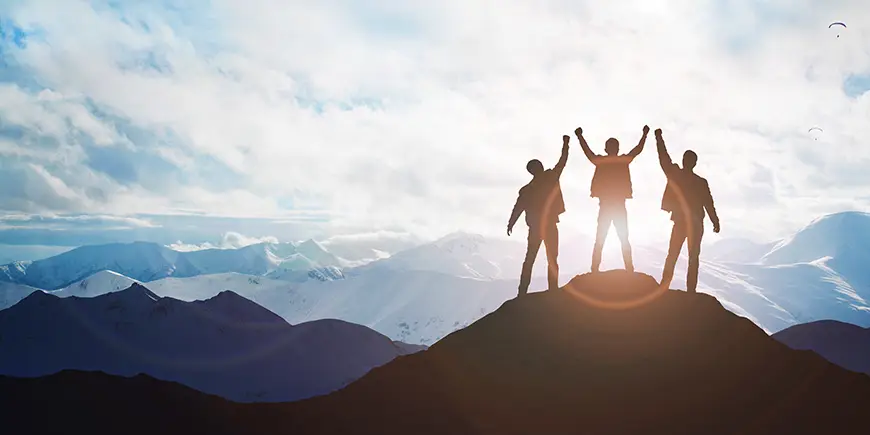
552	362
226	345
844	344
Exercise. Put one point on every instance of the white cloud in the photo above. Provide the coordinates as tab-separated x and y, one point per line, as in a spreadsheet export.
235	240
423	116
72	222
229	240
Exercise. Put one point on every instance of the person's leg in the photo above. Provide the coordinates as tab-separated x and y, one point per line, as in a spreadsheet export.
531	253
620	221
604	219
551	244
694	234
678	235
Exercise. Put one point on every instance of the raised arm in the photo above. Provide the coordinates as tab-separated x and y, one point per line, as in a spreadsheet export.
586	150
664	158
711	208
560	165
636	150
519	207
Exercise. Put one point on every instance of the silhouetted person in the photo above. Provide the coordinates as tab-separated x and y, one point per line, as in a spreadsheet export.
686	196
611	184
541	199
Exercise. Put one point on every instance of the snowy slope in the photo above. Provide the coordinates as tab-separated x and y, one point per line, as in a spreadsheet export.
225	345
207	286
97	284
416	307
742	251
11	293
839	236
139	260
459	254
13	272
359	249
315	252
146	262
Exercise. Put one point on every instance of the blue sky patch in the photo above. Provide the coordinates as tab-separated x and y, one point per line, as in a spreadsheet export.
10	33
856	84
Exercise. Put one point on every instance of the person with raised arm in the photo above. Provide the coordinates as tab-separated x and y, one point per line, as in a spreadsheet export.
687	195
541	200
611	184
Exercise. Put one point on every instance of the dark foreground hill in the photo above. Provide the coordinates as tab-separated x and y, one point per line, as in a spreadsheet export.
548	363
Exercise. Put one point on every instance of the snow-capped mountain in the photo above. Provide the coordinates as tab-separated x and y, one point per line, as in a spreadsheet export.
359	249
817	273
97	284
225	345
146	262
737	250
458	254
203	287
11	293
474	256
416	307
841	236
423	293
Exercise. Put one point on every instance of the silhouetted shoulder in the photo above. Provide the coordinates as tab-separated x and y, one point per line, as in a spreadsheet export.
524	189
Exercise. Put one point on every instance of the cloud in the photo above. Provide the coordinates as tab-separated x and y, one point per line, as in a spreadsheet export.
422	116
370	237
229	240
236	240
69	222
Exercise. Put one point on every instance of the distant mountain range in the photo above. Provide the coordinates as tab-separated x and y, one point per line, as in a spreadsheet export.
225	345
146	262
420	294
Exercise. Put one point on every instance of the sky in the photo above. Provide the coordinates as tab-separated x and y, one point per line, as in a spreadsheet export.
226	122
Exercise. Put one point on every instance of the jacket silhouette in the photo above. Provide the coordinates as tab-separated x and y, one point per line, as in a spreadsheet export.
687	196
611	184
541	200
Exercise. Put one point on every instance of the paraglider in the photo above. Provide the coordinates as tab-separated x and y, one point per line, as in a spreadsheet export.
815	132
836	23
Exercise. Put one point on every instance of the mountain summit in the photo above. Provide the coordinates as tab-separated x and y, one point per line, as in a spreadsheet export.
608	354
832	236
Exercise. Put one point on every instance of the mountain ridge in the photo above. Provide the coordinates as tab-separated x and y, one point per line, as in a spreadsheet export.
841	343
226	345
145	262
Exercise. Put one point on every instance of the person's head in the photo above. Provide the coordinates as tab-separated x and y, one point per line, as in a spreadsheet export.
611	147
535	167
690	159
